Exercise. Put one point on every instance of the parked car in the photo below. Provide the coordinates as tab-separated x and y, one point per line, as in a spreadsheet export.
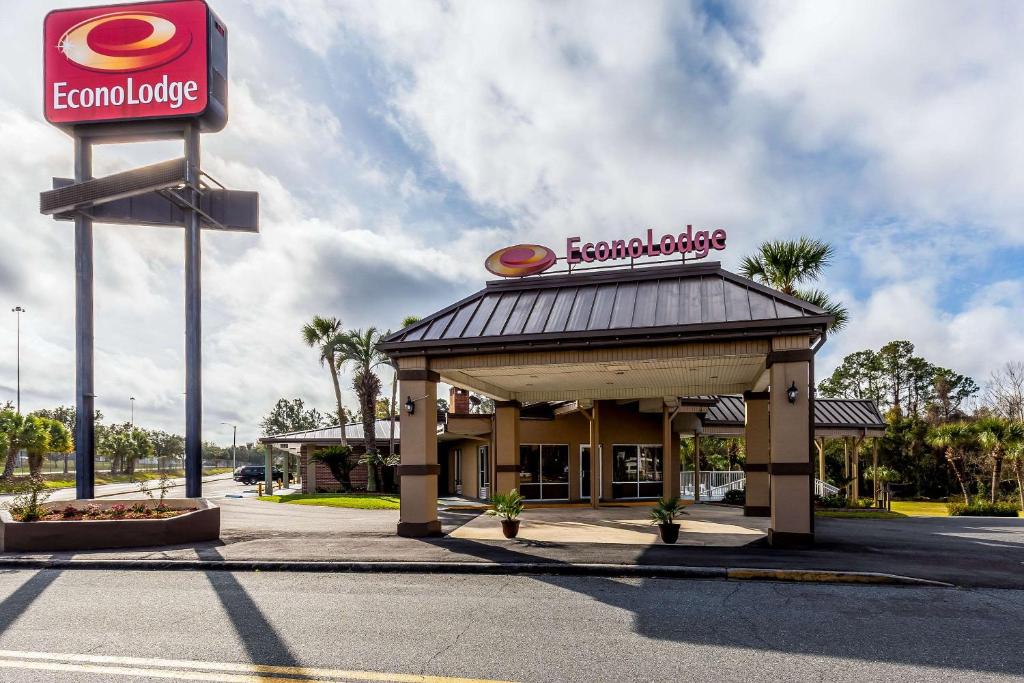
250	474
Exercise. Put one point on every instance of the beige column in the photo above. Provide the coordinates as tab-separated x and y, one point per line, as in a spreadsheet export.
874	471
419	469
847	488
791	365
820	445
856	469
669	456
506	446
696	467
757	435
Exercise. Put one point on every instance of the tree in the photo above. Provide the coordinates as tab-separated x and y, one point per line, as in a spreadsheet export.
167	446
406	322
359	347
339	461
61	440
950	390
956	440
383	410
788	264
1015	457
894	359
858	376
125	444
24	432
1005	391
998	436
291	416
326	335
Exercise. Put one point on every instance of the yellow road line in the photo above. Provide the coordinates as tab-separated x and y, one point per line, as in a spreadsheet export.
226	672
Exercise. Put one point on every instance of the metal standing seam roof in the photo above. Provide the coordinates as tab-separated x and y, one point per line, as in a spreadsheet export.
353	432
681	301
829	413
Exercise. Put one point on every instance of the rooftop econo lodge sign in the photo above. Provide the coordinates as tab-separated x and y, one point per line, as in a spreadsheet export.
151	60
529	259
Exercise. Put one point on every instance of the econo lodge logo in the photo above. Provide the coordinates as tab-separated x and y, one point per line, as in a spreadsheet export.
520	260
124	41
146	60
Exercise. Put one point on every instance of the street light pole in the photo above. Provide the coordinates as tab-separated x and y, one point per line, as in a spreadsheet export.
18	310
132	399
234	439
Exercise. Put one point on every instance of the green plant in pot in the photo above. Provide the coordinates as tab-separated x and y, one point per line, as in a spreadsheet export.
508	506
664	515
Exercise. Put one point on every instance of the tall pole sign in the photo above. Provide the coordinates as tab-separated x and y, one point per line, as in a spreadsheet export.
130	73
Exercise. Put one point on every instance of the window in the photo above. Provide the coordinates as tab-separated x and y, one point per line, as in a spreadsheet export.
636	471
544	471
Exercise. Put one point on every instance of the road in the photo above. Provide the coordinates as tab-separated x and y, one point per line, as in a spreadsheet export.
93	626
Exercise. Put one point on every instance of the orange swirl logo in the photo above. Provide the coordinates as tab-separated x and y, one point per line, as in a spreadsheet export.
520	260
124	41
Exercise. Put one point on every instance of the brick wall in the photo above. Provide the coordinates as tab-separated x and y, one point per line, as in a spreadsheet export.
325	481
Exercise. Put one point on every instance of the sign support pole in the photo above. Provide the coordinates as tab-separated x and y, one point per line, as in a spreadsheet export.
85	394
193	323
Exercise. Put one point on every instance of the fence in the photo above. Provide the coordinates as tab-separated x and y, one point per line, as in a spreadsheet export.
715	484
55	464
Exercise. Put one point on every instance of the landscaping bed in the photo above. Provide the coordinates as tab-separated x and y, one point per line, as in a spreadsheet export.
95	524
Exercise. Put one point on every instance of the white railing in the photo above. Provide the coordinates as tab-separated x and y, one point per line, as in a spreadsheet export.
715	484
822	488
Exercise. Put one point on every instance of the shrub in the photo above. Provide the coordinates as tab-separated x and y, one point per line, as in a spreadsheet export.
339	462
666	510
70	511
92	510
118	511
735	497
979	507
834	501
507	505
139	508
27	506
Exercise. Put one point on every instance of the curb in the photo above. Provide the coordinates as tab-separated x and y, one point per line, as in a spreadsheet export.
481	568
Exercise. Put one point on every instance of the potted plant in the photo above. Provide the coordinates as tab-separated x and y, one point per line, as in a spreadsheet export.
508	506
664	515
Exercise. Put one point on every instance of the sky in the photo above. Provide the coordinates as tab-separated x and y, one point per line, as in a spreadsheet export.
396	144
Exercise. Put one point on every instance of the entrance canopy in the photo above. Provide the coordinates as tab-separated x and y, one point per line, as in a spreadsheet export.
502	341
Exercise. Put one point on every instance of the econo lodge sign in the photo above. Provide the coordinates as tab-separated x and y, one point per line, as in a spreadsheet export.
152	60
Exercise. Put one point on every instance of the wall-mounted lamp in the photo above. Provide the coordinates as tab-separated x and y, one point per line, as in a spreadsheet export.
410	405
792	393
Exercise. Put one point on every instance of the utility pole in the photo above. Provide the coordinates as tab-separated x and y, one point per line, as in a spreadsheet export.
17	311
234	439
132	400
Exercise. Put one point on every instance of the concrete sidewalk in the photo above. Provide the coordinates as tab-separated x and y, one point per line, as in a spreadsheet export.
985	552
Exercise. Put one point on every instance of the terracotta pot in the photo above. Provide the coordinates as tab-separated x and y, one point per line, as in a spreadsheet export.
669	532
510	527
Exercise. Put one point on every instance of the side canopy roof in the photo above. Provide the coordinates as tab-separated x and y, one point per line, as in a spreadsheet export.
832	417
657	303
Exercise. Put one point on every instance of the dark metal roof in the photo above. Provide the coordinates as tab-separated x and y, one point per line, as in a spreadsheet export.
829	413
650	304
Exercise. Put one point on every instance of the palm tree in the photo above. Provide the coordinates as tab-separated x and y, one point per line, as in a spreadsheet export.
326	334
360	348
998	436
1015	456
955	440
787	264
406	322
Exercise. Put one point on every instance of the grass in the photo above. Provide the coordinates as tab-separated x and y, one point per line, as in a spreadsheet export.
860	514
61	481
358	501
915	508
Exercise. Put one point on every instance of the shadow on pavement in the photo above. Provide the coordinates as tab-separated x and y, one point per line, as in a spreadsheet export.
787	618
261	640
18	602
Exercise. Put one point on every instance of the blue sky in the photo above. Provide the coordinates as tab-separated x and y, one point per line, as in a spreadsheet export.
396	144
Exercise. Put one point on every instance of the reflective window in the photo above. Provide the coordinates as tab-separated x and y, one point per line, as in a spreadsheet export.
544	471
636	470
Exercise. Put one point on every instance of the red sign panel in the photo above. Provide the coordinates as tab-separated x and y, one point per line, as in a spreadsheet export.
126	62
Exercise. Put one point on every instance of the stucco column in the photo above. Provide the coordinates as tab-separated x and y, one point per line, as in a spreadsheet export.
268	471
669	456
756	434
696	467
791	364
506	446
419	468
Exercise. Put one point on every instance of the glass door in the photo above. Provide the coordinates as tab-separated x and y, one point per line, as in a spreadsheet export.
585	471
544	471
484	475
